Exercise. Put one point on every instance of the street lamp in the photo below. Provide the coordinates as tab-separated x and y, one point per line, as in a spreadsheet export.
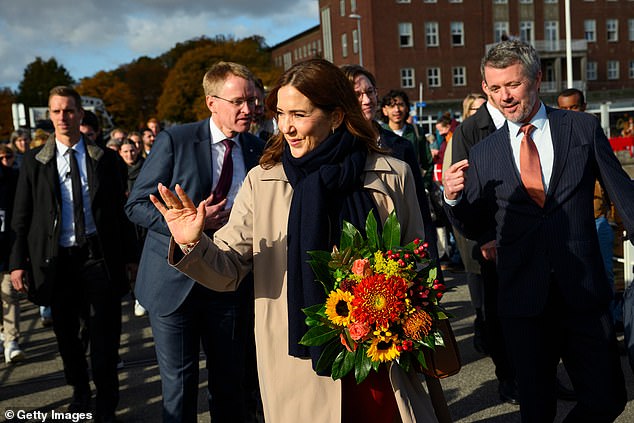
357	17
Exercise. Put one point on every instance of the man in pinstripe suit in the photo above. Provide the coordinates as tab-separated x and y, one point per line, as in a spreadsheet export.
553	292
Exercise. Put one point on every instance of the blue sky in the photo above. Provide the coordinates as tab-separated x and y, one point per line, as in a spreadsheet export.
86	36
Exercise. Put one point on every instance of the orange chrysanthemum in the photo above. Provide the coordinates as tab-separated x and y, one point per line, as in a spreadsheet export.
379	300
417	325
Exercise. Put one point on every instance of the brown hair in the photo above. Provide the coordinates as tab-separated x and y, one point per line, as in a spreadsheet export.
217	74
328	89
65	91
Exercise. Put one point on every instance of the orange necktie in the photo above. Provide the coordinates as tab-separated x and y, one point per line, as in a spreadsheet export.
530	167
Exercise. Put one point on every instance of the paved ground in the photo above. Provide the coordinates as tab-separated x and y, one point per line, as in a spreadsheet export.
38	383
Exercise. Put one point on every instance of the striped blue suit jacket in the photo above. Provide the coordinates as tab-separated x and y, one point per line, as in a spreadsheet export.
559	242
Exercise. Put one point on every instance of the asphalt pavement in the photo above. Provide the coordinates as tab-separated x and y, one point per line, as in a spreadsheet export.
37	384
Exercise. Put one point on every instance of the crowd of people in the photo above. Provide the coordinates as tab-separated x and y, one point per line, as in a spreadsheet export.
237	200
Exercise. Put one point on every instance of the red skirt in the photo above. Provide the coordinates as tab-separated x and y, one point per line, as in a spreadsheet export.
370	401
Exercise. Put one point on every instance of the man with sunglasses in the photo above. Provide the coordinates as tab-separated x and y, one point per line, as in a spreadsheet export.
209	159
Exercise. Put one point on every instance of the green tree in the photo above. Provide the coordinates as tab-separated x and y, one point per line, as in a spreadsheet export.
39	77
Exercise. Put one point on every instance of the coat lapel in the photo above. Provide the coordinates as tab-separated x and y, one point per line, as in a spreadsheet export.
560	130
249	154
203	158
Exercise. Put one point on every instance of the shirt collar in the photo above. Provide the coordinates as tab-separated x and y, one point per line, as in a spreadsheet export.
79	147
496	115
217	135
538	121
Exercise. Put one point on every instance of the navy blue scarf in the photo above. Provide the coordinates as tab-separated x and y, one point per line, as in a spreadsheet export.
327	189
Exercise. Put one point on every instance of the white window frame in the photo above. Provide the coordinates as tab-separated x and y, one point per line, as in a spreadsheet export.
431	34
527	28
500	1
355	41
500	28
630	29
342	7
344	44
457	30
612	30
405	29
592	68
433	77
631	69
590	30
613	71
459	76
408	78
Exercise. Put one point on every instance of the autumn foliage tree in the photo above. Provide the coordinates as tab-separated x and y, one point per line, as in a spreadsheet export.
7	98
183	98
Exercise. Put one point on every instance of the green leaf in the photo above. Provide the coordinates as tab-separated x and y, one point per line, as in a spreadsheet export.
404	361
342	364
375	365
421	358
372	233
391	232
348	235
319	335
328	356
319	263
315	315
362	365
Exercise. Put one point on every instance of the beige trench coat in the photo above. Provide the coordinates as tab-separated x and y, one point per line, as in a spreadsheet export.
255	238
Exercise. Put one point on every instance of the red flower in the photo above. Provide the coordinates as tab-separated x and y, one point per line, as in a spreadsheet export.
358	330
379	300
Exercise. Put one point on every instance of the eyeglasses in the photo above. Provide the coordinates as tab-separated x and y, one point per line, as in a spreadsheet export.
7	157
370	92
239	102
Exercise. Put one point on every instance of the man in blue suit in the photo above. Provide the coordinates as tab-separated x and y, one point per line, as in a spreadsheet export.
209	159
531	187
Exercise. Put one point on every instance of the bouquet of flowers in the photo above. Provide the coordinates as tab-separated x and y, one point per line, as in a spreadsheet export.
382	302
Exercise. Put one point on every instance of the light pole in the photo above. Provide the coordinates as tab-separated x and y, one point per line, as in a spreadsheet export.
357	17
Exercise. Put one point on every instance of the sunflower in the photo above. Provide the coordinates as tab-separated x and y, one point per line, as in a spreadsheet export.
383	350
379	300
417	325
338	306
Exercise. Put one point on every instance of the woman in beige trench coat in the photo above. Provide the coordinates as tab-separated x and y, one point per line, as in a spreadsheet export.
273	216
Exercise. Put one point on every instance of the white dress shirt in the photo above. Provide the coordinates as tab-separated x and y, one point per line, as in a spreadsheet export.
218	154
67	234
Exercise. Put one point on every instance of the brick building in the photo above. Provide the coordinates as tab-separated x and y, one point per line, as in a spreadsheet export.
433	47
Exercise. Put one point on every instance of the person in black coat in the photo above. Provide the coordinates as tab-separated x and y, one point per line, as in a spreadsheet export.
72	242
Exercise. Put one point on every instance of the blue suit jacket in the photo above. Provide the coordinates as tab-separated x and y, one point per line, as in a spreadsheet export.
559	242
180	155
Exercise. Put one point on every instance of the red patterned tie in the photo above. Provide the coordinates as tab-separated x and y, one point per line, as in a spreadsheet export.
530	166
226	174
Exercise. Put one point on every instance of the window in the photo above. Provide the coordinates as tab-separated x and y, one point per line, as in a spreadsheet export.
613	69
500	28
630	29
526	31
551	34
455	1
353	6
405	34
591	71
631	71
407	78
342	7
612	27
403	1
459	76
500	1
344	45
288	60
355	41
429	1
431	34
457	33
590	29
526	1
550	1
433	77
